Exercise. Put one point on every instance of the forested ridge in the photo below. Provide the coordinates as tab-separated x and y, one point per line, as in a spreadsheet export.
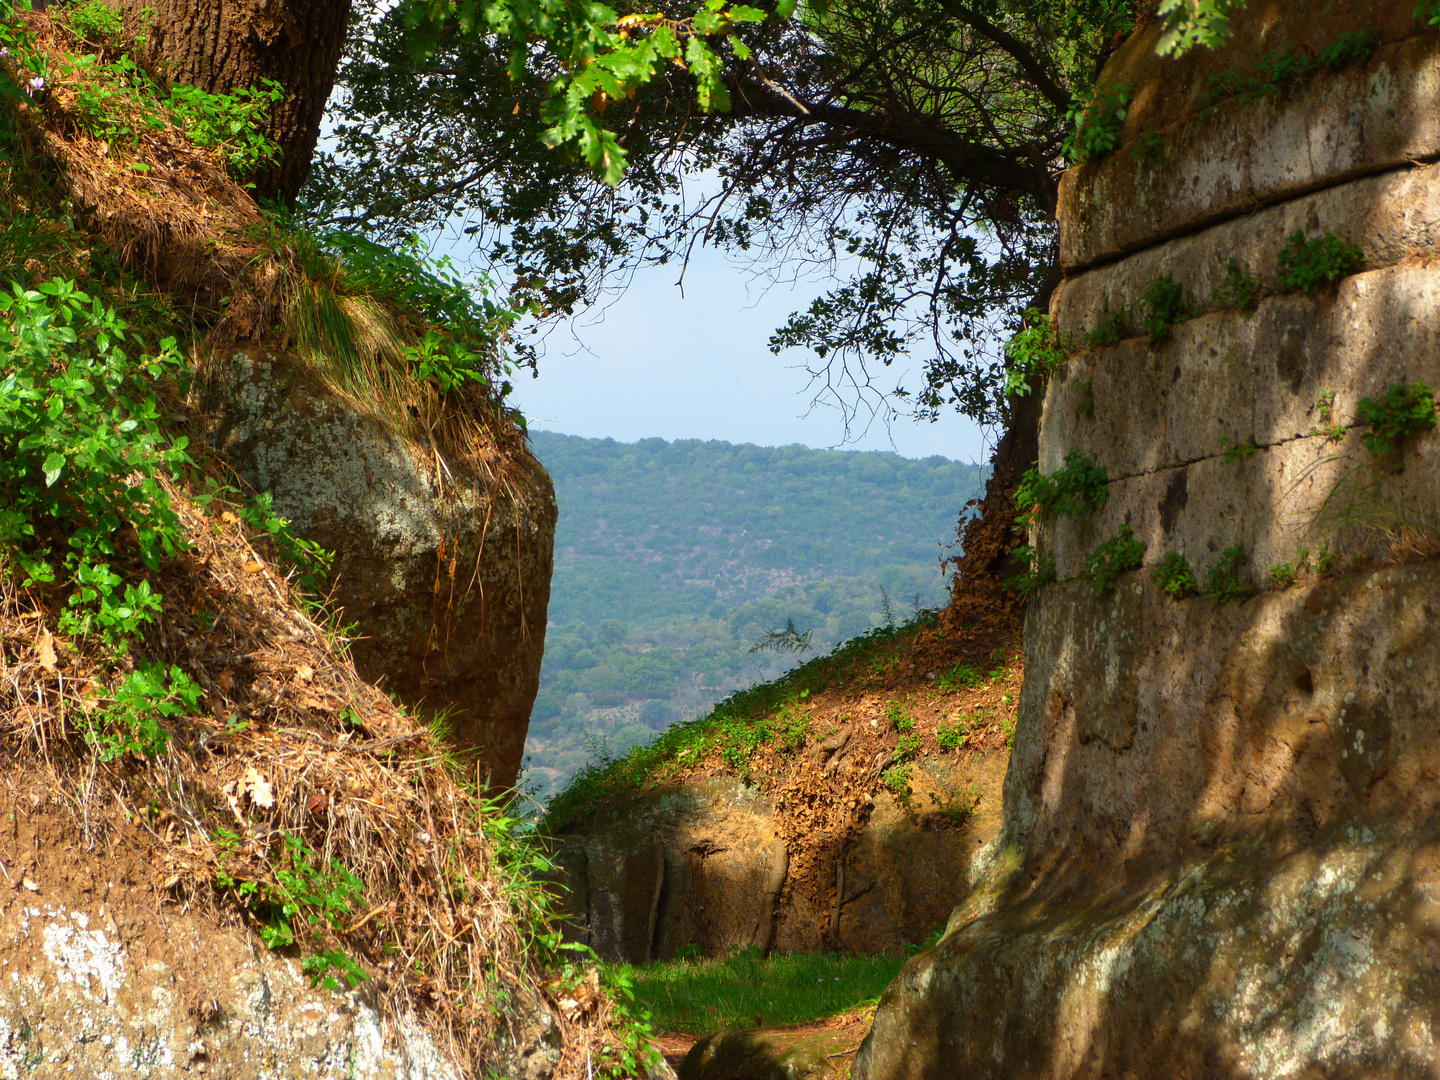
673	559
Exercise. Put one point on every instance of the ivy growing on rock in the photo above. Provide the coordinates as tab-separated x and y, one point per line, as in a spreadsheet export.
1114	557
1307	264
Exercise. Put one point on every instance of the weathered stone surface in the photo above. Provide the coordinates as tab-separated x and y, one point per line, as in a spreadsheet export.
1228	376
1306	495
1153	722
1389	217
1362	119
762	1055
1221	835
690	865
1219	853
1322	964
77	999
447	572
1164	416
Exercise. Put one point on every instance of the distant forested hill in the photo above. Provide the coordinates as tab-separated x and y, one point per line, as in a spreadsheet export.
674	558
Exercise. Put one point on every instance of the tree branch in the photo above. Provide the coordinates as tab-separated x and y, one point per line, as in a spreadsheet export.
1056	94
967	161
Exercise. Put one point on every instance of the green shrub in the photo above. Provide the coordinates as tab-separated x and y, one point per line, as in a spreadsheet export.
959	677
1287	573
1114	557
1239	290
1078	488
1404	411
1097	125
1039	571
1165	306
1428	11
907	747
1175	577
95	21
1305	265
82	456
952	736
131	723
1223	582
899	718
230	124
1034	352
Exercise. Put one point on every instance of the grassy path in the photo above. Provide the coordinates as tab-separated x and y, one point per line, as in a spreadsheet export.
823	999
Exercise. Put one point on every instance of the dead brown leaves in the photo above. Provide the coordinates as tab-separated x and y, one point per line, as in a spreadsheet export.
290	742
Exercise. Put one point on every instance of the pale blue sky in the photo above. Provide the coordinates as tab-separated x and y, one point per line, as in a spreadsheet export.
656	360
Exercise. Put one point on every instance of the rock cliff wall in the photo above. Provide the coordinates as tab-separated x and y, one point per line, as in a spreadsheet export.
1222	823
445	570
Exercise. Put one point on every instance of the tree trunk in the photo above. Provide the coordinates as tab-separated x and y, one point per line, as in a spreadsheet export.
223	45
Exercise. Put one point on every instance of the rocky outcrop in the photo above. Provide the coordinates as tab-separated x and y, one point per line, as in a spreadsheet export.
81	996
1221	832
703	864
445	571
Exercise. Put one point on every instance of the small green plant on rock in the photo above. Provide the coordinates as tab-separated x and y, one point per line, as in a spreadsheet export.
1036	351
1109	331
1428	12
1165	307
897	779
1175	577
1403	412
1150	147
1039	571
1305	265
1236	451
1240	289
958	808
1281	70
1078	488
1325	409
1223	583
1085	397
1097	125
1288	573
1114	557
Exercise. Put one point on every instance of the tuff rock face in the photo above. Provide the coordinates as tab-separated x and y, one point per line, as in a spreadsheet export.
1221	842
445	572
78	999
692	865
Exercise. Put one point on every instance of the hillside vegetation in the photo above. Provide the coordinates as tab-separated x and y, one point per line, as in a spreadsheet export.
673	559
180	714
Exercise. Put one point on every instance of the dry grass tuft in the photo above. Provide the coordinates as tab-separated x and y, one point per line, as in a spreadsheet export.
290	741
173	214
287	740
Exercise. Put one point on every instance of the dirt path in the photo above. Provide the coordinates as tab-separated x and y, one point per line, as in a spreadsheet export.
844	1033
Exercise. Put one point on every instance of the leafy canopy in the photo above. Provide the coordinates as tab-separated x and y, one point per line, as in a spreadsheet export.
910	149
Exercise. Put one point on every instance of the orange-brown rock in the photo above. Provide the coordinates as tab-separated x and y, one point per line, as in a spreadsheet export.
445	571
